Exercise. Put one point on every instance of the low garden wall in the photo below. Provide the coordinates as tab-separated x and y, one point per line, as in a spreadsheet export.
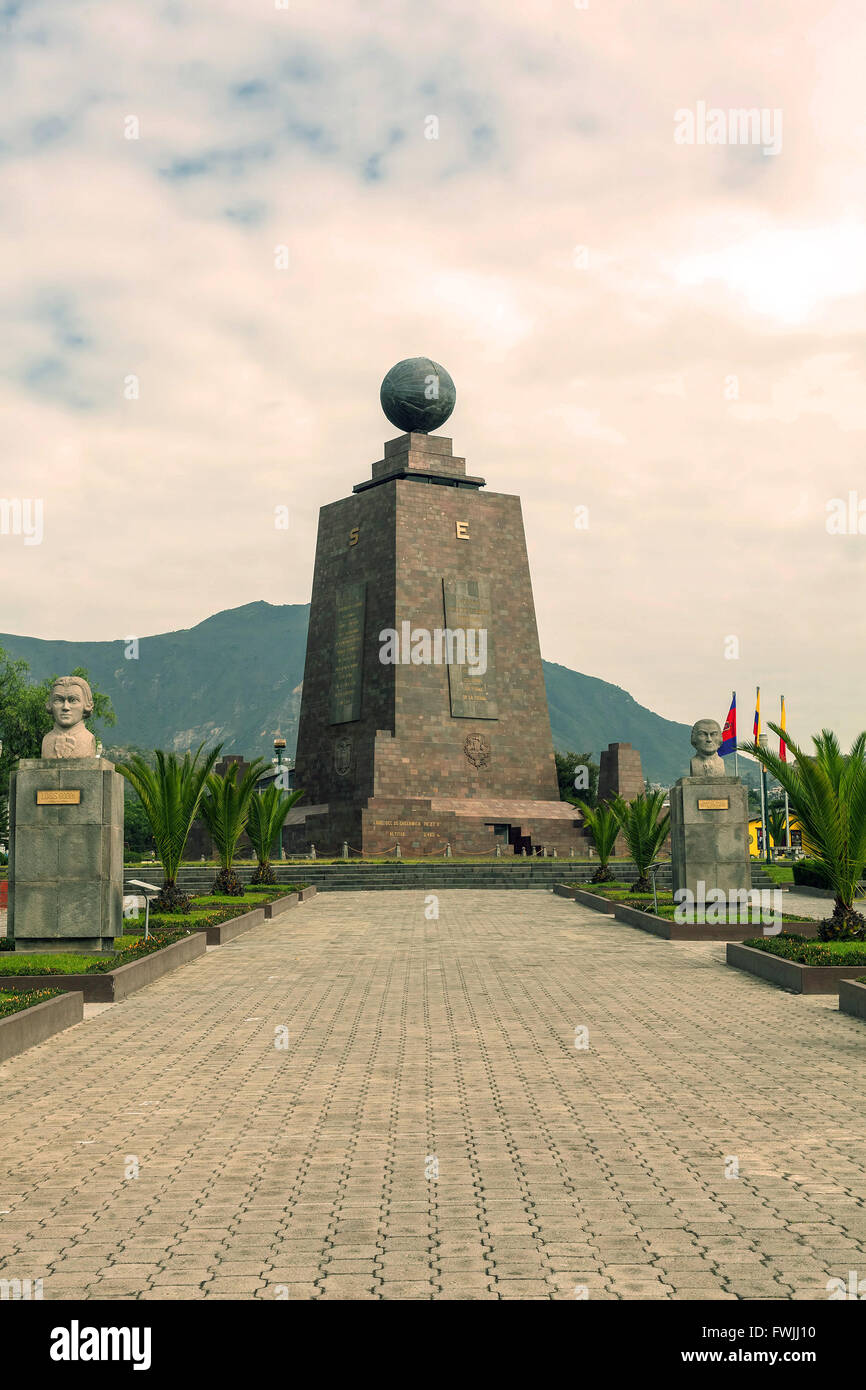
112	985
852	998
789	974
30	1026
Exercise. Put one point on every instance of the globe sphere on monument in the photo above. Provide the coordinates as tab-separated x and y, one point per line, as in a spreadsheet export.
417	395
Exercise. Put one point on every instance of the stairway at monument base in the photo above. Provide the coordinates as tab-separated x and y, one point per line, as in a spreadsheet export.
425	826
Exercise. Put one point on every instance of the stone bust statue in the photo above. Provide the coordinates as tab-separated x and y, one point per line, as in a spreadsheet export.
706	738
71	703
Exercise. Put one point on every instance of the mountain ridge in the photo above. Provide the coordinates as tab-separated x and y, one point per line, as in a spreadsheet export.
237	675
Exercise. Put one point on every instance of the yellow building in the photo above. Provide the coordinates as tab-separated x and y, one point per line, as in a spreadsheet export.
756	837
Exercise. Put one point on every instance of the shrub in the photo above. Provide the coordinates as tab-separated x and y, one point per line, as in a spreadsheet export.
155	942
25	1000
791	947
811	874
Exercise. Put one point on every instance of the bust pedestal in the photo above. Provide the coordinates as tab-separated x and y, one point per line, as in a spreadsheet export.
710	834
66	860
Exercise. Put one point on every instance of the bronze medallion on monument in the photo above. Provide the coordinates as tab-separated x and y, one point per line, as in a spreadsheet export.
343	757
477	750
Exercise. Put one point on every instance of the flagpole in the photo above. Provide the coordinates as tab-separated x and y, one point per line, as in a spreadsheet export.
782	743
736	764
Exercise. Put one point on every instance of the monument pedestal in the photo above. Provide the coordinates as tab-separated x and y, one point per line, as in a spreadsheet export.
710	834
66	860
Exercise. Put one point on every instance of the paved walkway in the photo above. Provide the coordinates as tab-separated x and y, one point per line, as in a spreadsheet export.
431	1130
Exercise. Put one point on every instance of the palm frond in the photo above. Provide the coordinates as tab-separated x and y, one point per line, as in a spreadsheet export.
170	794
827	793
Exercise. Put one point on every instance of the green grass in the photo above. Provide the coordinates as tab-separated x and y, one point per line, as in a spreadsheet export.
11	1003
811	952
127	948
244	904
779	873
618	892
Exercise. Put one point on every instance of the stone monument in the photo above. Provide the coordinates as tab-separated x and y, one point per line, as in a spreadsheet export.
424	718
66	833
709	821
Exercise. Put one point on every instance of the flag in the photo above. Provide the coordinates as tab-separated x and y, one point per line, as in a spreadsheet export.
757	729
729	732
783	747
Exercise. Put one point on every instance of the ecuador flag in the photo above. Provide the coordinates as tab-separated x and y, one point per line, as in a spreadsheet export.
783	747
729	732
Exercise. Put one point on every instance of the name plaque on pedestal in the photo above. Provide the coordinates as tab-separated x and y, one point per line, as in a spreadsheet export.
66	797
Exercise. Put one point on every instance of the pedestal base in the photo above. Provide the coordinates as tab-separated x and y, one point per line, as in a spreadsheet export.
710	834
66	861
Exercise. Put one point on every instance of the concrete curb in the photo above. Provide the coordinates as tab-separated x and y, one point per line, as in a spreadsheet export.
788	974
34	1025
852	998
117	984
585	898
689	931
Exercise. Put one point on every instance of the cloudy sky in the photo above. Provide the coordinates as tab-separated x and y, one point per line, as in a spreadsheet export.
669	335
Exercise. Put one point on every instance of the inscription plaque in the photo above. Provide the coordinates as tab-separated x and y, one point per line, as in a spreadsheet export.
59	798
714	803
348	653
467	607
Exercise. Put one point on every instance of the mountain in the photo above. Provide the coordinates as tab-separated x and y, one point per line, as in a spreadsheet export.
236	678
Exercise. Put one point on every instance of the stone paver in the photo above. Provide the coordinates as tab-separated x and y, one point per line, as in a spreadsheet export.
431	1130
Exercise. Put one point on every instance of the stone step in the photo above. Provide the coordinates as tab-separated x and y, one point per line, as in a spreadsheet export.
538	874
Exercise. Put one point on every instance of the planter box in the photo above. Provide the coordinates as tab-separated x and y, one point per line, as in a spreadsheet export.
585	898
801	979
30	1026
307	893
281	904
669	930
116	984
223	932
852	998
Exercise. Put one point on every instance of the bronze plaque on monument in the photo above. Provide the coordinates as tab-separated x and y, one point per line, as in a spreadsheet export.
472	681
348	653
63	797
713	803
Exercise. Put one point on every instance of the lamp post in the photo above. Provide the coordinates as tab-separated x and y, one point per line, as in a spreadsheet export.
279	749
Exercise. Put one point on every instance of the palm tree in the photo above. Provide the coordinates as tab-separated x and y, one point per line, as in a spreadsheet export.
603	827
225	810
267	817
827	793
170	794
645	829
776	825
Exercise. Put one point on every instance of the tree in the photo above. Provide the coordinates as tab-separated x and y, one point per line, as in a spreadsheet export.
137	835
645	829
225	810
827	793
577	775
170	794
24	719
267	816
776	823
603	827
